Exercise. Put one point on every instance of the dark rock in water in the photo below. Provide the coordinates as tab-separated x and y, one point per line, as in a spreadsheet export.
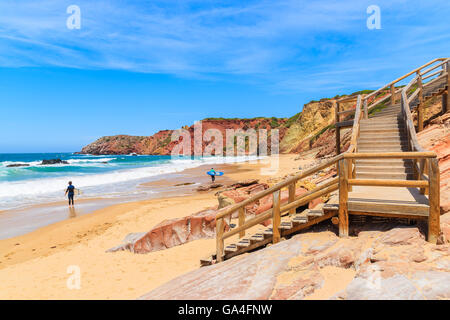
17	165
53	161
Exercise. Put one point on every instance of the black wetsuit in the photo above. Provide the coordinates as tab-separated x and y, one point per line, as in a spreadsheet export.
213	176
70	193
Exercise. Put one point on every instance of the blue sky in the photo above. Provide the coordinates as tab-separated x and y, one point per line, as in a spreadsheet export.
136	67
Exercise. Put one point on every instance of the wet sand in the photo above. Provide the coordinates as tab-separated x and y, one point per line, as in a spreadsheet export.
35	265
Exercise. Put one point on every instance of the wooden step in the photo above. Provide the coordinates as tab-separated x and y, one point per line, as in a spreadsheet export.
257	237
243	243
299	219
382	175
387	207
381	149
311	213
390	169
382	140
230	249
207	261
378	131
285	225
268	233
384	162
378	144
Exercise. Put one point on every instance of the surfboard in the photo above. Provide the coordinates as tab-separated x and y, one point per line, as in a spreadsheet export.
216	173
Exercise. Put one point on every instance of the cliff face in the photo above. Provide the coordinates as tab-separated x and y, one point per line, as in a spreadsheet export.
161	142
298	133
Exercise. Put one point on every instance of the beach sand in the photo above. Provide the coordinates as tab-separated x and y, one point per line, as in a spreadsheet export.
35	265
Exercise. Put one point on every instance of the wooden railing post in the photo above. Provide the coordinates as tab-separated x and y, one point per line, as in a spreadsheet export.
338	131
366	110
343	198
241	221
292	196
392	94
422	163
446	95
219	239
349	172
420	108
276	217
434	189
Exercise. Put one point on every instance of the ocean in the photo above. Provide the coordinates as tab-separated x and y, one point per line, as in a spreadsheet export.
106	176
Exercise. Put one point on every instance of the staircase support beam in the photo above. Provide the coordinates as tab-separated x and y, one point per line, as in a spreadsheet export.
343	198
434	215
276	217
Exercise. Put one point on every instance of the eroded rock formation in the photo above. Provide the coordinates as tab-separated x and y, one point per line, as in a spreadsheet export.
383	261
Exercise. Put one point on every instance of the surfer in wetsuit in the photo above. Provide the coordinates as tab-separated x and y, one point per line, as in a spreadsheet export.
213	174
70	191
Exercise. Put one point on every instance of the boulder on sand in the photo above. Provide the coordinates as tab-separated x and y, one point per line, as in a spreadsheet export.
173	232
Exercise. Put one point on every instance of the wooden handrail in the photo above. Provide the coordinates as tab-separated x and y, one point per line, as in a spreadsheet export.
407	75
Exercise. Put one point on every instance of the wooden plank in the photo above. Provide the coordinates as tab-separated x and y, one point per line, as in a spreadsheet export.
241	221
292	196
343	198
389	215
219	239
391	155
276	217
433	219
387	183
388	206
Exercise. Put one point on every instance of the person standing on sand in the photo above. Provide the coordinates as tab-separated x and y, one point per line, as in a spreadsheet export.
213	175
70	191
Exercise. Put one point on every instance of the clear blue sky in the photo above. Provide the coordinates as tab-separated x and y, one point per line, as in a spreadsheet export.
136	67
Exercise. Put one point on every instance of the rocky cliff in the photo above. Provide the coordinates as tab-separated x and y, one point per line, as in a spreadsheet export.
296	134
161	142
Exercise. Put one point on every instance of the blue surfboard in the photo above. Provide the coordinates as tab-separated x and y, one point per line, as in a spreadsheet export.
216	173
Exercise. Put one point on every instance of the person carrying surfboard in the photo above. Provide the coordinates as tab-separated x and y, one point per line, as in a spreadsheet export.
70	191
213	174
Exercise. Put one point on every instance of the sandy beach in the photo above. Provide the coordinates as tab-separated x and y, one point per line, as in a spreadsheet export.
35	265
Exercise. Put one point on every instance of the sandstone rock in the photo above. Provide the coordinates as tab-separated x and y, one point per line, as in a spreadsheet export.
417	286
171	233
208	187
284	271
224	201
244	183
251	276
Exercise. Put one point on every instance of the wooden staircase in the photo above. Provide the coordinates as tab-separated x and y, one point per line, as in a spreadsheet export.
384	172
383	132
289	225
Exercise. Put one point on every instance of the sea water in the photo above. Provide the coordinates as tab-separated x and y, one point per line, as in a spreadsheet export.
104	176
